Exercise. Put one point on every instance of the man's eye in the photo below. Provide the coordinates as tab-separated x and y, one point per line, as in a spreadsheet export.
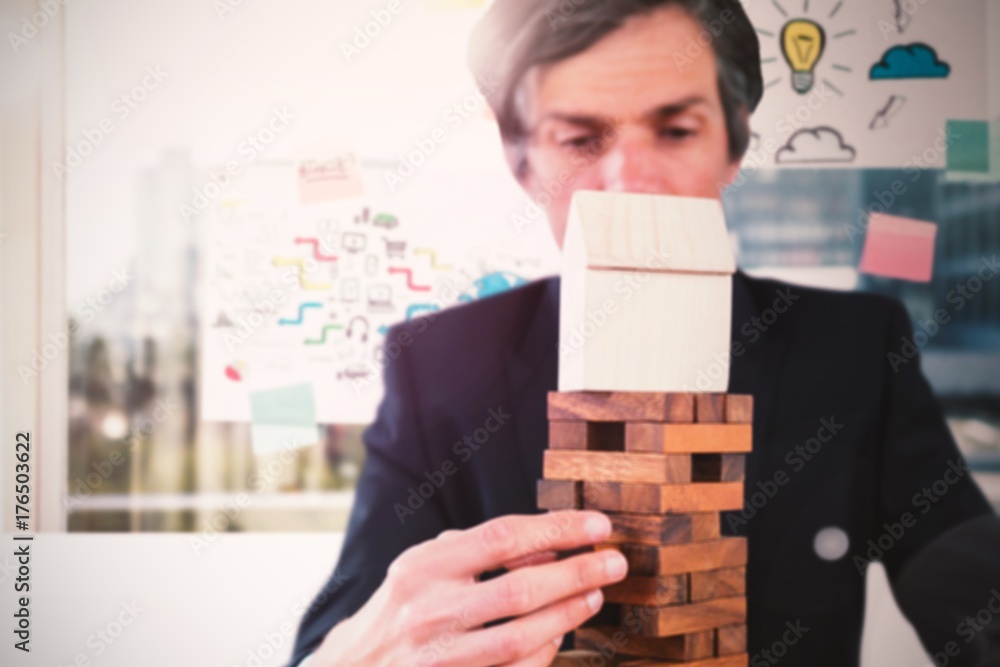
676	132
580	142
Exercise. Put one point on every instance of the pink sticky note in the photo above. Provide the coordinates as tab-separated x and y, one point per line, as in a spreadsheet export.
329	180
897	247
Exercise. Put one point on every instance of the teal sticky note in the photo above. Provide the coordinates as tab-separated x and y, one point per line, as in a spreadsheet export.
970	150
282	417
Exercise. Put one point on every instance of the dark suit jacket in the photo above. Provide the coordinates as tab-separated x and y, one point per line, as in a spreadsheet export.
855	436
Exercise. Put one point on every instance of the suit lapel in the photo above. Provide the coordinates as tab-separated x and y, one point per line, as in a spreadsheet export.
759	368
531	370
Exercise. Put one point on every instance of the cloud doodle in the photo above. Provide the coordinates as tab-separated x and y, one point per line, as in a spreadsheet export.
820	144
912	61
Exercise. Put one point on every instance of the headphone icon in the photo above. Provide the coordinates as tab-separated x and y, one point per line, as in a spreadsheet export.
350	327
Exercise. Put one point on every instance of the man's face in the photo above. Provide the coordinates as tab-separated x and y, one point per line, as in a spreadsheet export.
625	116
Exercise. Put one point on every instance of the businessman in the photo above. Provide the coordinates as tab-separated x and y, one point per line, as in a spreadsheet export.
447	561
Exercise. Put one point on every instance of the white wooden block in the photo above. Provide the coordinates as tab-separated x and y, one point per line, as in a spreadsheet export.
646	294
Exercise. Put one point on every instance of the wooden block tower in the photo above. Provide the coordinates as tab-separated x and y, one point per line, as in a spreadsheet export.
652	442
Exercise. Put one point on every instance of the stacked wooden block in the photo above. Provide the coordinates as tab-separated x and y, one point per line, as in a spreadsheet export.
662	466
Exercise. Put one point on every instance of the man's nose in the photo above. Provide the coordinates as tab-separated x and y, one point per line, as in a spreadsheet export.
632	165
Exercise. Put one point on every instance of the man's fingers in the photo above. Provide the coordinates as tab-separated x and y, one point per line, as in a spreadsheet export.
531	559
523	637
532	588
508	538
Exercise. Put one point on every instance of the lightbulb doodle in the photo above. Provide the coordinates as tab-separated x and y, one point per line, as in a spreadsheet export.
802	42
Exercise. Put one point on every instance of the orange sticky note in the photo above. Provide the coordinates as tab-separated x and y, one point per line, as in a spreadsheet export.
897	247
337	177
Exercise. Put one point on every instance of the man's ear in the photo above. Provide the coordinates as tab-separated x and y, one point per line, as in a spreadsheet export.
734	165
516	154
733	171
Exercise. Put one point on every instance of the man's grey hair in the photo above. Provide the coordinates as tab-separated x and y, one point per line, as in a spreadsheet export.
515	35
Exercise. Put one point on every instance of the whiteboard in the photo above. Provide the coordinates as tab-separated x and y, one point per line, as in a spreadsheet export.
305	292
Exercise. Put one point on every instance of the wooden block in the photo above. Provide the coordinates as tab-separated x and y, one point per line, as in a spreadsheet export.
650	529
685	618
646	560
663	498
658	591
610	640
731	639
620	406
592	436
717	584
739	408
569	553
610	615
710	408
727	661
705	526
579	658
567	435
733	468
559	494
688	438
617	467
665	334
590	658
717	467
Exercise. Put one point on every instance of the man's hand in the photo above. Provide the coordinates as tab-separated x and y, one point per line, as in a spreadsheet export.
430	609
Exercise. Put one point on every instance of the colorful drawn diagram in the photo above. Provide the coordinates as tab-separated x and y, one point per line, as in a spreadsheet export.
302	309
386	221
380	297
408	272
350	290
299	263
353	242
354	372
319	255
492	283
323	332
434	261
910	61
394	248
361	319
418	309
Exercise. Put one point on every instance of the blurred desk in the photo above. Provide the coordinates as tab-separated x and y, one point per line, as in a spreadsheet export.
234	599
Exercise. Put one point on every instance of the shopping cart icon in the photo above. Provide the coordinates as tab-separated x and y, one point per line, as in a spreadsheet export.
394	248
